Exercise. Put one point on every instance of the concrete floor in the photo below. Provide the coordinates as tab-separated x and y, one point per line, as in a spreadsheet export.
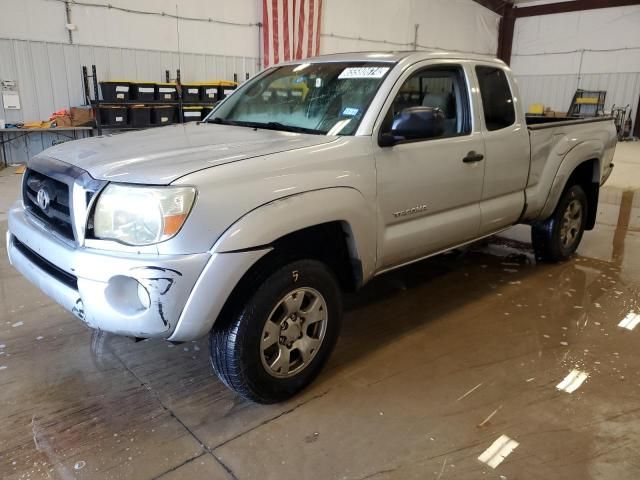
436	361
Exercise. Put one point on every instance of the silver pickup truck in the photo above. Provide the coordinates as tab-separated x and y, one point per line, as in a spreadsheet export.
311	179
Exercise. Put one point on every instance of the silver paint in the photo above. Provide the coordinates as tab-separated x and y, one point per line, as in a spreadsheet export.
255	186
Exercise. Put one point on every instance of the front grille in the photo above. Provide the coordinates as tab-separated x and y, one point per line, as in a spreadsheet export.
57	213
44	264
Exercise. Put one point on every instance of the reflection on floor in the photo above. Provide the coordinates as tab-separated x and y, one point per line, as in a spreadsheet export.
475	364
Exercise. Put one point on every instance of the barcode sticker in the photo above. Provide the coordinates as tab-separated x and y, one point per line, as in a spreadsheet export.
192	114
192	90
363	72
228	91
122	89
167	96
145	90
120	95
166	89
212	92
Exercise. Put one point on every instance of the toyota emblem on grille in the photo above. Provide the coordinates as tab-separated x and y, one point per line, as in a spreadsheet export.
43	199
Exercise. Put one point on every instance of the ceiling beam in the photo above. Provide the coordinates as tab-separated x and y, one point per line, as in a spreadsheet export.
505	34
496	6
571	6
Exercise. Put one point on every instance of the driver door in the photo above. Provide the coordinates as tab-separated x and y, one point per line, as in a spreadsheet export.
429	188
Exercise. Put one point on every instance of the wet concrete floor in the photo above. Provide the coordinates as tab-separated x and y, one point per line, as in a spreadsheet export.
435	363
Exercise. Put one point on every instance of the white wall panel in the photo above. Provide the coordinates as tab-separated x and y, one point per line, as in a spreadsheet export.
49	78
73	75
57	72
616	29
33	20
45	20
476	28
552	57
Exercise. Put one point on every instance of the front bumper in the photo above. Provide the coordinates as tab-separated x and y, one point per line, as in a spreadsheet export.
139	295
606	174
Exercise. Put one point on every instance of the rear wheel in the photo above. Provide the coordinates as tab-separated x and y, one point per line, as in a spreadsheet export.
275	344
558	237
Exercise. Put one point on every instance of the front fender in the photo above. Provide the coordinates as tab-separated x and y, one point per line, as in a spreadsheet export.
269	222
582	152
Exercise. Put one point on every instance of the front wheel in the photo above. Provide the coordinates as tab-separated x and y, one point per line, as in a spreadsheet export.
558	237
274	345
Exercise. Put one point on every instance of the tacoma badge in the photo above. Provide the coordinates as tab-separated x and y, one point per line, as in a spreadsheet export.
410	211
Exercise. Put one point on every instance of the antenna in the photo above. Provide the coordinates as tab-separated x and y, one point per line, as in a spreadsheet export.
178	34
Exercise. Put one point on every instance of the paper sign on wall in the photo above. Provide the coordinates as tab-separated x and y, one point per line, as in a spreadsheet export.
11	100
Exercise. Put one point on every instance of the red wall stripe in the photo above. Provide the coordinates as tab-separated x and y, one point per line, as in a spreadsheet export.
300	31
265	33
285	29
276	31
291	44
318	26
310	27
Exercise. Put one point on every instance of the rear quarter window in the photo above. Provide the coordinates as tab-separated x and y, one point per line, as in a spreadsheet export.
497	100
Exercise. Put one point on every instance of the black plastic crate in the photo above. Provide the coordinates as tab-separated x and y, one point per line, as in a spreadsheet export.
191	92
163	114
114	116
210	93
192	114
115	91
140	116
166	92
143	92
225	90
206	111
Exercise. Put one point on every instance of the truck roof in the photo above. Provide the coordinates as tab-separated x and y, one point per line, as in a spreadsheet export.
395	56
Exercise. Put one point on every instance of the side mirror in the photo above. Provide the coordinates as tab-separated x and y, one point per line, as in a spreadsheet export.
414	123
387	140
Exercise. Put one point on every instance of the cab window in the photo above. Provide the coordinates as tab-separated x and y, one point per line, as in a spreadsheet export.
497	101
436	95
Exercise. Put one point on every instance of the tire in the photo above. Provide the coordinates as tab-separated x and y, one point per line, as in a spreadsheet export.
558	237
243	353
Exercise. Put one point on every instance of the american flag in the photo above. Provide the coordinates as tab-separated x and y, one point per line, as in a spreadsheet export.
291	29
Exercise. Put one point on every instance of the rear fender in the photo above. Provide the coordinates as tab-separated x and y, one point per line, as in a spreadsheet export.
583	152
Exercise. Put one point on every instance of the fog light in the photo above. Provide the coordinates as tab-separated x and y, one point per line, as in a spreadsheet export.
126	295
143	296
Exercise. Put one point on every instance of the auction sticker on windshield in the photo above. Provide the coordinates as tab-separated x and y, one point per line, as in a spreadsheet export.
363	72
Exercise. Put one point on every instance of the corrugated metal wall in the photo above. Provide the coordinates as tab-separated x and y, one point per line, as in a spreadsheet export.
49	78
556	91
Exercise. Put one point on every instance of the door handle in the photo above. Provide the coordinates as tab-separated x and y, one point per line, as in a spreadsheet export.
472	157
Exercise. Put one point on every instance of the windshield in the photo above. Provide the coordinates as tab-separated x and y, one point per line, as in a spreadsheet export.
319	98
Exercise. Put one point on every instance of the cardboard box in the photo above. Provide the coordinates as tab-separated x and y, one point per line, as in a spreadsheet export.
63	121
81	116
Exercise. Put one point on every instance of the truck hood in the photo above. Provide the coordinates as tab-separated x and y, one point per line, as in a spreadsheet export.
161	155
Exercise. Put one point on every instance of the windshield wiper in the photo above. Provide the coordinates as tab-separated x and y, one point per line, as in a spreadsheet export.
222	121
266	126
290	128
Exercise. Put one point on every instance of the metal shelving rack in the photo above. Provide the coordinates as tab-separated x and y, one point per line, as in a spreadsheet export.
587	103
95	102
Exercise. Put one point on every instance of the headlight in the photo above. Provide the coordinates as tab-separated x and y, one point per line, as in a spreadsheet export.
139	215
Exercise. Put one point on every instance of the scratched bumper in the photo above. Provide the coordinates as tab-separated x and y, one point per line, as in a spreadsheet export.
100	287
